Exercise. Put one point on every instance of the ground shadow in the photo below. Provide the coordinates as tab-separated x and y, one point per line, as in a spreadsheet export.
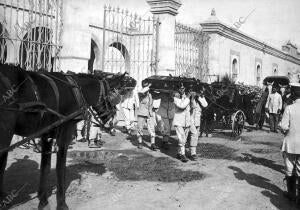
171	149
216	151
269	190
225	134
261	161
23	176
264	150
136	165
249	140
219	151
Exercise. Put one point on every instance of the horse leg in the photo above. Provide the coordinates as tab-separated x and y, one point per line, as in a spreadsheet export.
3	161
63	141
5	141
43	193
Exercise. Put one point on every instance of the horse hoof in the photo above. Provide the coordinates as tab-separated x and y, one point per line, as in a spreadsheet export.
62	207
44	207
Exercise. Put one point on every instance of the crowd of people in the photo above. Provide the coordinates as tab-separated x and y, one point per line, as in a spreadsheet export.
271	105
182	110
145	108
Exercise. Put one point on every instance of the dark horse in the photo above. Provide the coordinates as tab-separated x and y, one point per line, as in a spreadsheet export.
25	97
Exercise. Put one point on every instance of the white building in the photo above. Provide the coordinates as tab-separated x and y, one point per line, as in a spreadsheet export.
83	35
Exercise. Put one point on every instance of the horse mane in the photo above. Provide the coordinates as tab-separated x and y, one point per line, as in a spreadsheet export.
84	75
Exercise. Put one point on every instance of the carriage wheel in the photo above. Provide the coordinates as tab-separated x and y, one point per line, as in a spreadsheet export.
238	121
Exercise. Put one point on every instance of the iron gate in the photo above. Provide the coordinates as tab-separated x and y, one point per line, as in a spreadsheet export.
30	33
191	52
129	43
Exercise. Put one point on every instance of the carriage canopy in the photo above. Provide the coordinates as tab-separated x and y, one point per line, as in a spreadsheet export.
278	81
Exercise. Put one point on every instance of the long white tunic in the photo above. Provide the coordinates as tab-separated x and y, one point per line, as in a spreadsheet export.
274	102
182	116
291	121
197	110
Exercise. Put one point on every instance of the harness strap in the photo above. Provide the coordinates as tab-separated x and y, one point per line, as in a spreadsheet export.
34	88
102	90
76	91
54	88
78	97
107	88
36	93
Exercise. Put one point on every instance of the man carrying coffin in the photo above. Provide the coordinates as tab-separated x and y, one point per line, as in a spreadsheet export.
182	120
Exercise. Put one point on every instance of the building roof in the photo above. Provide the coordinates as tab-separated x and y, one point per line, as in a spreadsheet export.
214	25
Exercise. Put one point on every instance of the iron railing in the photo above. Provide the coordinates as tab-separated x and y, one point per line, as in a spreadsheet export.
191	52
30	33
129	43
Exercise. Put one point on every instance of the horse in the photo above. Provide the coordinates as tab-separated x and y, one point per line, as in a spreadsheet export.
120	84
32	101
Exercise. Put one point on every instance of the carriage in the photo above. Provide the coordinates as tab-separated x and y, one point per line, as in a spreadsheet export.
228	107
277	81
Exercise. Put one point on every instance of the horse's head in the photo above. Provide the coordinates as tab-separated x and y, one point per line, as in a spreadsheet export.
229	92
114	86
282	89
269	86
107	101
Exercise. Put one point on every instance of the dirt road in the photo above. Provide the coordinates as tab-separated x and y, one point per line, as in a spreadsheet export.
229	174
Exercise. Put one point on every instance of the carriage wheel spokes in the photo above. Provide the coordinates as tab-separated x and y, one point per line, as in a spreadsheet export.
238	122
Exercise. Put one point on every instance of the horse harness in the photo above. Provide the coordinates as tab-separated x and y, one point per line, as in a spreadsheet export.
37	106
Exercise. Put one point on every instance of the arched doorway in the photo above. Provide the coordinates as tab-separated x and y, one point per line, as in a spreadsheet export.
234	69
94	56
117	58
35	50
3	45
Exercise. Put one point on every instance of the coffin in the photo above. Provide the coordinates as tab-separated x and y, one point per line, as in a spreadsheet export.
278	80
171	84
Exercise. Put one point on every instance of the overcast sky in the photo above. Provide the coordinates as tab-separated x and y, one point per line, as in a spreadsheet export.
272	21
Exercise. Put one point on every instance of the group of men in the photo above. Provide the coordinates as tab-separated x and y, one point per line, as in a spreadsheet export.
271	105
186	114
287	107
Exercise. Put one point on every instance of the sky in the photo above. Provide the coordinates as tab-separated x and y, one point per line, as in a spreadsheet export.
272	21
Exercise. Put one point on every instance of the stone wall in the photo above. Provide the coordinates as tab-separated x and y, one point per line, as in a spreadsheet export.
223	50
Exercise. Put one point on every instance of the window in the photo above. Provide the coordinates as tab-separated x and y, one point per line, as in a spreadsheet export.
258	74
275	69
234	69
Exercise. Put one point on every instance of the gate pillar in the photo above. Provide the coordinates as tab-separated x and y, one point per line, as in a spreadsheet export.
76	37
165	11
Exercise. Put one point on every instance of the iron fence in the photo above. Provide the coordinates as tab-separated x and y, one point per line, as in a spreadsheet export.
129	43
191	52
30	33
